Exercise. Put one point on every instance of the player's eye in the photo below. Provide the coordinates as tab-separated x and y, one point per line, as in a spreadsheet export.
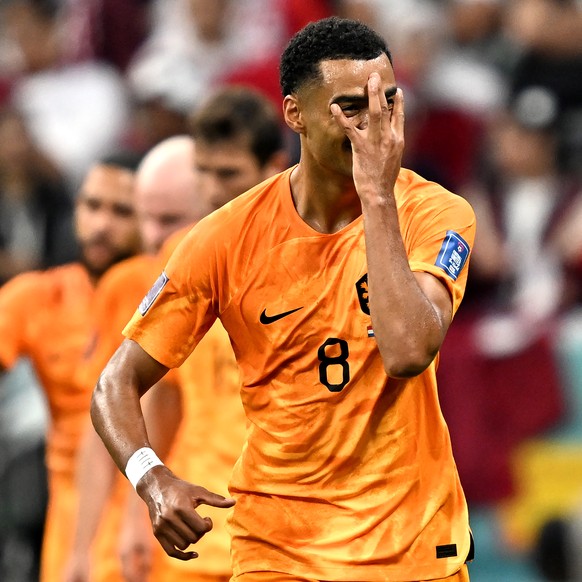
92	204
123	210
350	109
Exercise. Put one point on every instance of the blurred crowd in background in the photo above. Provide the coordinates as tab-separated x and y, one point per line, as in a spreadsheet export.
493	98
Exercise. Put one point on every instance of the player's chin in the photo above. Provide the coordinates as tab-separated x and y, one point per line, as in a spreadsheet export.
98	258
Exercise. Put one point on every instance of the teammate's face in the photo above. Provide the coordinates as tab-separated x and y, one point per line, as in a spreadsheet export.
165	206
226	169
343	82
106	223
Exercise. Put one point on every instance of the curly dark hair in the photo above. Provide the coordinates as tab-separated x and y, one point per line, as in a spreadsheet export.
328	39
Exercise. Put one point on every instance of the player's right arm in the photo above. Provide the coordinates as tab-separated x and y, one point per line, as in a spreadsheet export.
119	421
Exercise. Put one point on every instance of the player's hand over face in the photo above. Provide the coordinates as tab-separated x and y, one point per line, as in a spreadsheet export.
171	503
377	141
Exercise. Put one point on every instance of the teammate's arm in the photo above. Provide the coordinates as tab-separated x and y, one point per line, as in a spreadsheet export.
95	477
410	312
118	419
16	297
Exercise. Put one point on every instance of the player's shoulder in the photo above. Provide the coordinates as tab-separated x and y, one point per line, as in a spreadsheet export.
128	273
48	285
55	276
415	192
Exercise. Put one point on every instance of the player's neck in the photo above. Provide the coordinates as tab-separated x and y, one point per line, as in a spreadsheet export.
326	203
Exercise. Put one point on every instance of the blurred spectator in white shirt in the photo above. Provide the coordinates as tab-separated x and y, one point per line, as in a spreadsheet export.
75	112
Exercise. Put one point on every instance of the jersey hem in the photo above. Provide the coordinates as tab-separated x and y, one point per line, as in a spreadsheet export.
348	573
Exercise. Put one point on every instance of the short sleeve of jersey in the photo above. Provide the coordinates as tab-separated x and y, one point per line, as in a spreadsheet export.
183	302
17	298
118	293
439	236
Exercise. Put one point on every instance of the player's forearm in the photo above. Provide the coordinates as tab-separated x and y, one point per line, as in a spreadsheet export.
406	326
115	408
162	408
117	418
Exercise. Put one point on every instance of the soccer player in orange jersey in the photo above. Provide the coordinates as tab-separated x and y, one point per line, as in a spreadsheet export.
47	317
336	281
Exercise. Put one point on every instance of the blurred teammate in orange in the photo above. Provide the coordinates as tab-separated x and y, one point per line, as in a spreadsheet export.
47	317
239	142
336	281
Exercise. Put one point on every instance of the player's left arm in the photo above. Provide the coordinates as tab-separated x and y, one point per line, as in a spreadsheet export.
410	312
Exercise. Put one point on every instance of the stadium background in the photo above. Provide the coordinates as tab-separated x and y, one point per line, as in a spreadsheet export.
493	92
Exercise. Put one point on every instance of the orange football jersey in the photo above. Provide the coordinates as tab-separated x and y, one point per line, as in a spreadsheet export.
346	474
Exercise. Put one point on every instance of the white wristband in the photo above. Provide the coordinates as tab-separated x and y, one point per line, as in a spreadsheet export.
140	463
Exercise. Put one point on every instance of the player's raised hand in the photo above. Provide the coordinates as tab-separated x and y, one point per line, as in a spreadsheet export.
172	505
377	139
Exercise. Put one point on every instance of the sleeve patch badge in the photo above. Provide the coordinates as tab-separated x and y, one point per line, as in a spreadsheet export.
453	254
153	293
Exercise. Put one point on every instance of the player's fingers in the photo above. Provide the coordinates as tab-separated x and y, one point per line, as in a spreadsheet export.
215	500
174	552
186	530
376	108
397	119
175	544
194	527
340	118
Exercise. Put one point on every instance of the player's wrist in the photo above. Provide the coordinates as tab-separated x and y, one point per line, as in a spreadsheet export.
140	463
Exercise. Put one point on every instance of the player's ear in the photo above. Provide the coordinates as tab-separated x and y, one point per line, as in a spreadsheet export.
292	113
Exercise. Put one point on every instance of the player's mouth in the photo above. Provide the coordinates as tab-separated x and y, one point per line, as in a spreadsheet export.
98	251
